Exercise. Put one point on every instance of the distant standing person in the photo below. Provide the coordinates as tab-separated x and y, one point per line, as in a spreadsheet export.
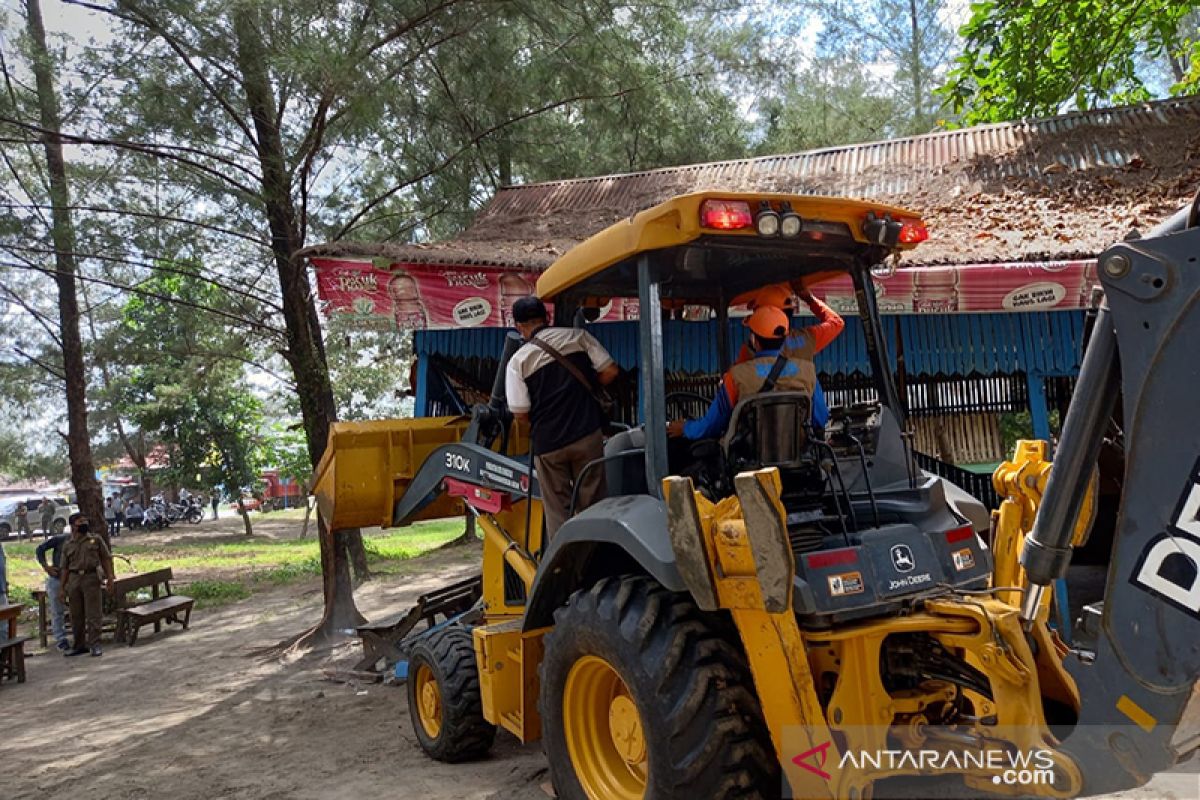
216	501
552	382
22	521
3	591
119	504
3	583
54	594
84	555
110	516
48	508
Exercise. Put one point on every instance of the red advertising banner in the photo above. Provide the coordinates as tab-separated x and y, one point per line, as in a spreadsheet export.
974	288
411	296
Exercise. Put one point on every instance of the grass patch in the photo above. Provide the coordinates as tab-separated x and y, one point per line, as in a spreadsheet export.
290	572
231	568
208	593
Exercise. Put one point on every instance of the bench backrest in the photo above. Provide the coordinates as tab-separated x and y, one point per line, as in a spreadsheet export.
144	580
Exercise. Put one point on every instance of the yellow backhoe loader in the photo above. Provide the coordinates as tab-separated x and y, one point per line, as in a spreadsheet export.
801	613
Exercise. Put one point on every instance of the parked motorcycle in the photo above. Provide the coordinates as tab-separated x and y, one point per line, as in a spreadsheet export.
157	514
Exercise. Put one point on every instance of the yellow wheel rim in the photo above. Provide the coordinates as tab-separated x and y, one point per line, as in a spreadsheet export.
429	701
604	732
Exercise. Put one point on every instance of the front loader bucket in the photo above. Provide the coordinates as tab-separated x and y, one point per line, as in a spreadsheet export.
368	466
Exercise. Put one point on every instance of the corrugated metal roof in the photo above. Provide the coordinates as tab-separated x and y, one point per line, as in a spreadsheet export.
1057	188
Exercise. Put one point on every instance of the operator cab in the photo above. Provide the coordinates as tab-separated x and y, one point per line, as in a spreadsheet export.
868	531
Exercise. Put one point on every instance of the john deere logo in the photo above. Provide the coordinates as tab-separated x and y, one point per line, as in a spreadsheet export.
902	558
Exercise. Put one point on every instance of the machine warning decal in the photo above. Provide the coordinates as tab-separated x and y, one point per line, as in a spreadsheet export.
846	583
1169	566
501	475
963	559
902	558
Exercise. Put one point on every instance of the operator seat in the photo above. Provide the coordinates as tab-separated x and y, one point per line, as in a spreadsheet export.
627	475
769	430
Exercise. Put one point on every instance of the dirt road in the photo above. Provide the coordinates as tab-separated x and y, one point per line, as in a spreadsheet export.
195	715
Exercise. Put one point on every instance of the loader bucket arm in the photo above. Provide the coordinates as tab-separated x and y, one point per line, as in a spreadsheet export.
390	472
1140	708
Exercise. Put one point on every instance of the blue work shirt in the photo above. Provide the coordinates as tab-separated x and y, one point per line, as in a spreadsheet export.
713	424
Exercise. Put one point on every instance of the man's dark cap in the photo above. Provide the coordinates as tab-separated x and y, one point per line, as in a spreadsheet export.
527	309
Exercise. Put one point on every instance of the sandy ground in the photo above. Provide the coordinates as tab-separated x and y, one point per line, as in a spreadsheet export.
195	714
198	715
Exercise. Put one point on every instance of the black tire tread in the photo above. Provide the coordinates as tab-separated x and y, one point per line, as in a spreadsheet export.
717	742
465	734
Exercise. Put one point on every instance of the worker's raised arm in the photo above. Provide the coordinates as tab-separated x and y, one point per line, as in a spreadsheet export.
604	365
829	322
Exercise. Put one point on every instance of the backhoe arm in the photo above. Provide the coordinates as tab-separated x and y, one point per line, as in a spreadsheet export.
1139	706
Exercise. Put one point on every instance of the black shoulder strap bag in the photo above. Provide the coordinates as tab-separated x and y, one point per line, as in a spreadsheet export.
606	403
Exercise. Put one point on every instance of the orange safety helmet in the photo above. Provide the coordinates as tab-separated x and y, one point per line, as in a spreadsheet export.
779	295
768	322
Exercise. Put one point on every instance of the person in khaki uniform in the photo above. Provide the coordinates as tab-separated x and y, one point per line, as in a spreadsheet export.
84	555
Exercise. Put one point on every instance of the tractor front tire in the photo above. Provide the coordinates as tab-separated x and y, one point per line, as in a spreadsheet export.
443	697
644	696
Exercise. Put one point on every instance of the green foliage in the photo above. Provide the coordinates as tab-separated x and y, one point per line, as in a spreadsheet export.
183	382
1041	57
1019	425
369	370
291	571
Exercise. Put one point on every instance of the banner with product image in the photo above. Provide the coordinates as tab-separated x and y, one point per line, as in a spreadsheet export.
419	296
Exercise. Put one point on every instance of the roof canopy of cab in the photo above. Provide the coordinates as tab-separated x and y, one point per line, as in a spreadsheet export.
711	246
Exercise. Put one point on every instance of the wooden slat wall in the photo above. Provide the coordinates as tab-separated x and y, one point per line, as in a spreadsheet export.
970	438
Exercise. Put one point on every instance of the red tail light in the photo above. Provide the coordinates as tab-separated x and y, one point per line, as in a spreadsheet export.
726	215
913	231
958	534
832	558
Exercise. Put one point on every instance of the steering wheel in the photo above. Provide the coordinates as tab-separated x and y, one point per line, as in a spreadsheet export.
684	397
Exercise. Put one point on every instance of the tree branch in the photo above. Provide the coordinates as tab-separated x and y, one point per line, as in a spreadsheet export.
160	151
271	329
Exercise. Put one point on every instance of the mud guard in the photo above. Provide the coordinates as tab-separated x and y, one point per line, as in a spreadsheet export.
616	536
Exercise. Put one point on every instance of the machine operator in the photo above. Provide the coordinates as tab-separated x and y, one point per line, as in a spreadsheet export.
770	333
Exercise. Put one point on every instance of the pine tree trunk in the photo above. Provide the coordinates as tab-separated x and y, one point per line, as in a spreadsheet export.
305	349
62	232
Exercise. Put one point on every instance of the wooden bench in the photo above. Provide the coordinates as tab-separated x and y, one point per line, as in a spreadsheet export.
12	658
12	649
133	612
164	609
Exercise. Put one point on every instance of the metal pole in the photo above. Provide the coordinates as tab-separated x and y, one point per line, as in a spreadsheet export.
653	376
722	335
868	314
1047	550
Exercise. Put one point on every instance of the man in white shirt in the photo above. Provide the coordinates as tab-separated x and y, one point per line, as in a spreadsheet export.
552	382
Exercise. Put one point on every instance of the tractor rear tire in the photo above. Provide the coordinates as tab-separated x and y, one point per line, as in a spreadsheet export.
644	696
444	700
